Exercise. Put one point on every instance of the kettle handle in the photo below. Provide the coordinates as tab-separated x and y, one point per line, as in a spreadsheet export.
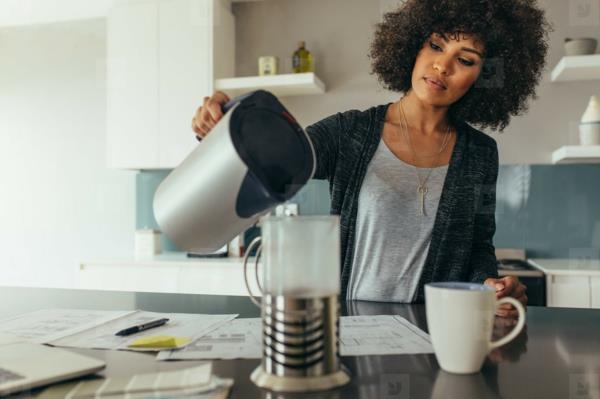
228	106
255	242
231	103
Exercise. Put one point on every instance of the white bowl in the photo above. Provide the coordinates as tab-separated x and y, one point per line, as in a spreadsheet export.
581	46
589	133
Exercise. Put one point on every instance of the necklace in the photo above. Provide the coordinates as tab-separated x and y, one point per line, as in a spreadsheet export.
422	188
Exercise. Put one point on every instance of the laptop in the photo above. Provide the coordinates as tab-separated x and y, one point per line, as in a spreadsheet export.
25	366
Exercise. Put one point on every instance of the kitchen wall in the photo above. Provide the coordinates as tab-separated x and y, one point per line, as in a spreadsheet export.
339	33
59	203
554	211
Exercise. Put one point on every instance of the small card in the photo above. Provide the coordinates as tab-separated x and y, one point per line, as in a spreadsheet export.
160	342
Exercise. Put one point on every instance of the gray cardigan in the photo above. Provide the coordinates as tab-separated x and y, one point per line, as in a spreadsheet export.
461	246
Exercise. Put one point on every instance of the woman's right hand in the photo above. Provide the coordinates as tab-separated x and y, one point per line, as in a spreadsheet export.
209	114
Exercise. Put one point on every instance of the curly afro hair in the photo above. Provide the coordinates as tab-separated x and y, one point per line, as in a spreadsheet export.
515	36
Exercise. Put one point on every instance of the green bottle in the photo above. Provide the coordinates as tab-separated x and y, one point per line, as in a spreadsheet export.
302	60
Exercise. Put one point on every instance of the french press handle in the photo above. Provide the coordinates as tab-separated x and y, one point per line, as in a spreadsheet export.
254	243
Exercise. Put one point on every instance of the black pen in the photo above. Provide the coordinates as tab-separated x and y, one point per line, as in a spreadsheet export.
142	327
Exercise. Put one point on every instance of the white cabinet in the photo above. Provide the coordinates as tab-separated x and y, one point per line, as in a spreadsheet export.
132	95
162	58
595	291
568	291
571	283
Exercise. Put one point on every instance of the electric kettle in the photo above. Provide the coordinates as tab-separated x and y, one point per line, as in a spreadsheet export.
256	157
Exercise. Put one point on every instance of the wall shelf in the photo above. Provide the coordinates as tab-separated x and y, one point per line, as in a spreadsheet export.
577	67
293	84
576	154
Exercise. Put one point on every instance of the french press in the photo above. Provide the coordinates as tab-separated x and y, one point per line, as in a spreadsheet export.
299	306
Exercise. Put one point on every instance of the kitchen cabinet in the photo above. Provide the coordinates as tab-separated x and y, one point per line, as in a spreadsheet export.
595	290
163	57
568	291
571	283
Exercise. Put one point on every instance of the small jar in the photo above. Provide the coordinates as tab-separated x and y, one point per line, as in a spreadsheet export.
147	243
268	65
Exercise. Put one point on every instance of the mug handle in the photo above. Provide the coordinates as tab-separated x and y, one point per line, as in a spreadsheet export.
255	242
520	324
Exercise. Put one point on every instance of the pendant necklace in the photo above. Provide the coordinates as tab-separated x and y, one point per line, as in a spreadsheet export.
422	187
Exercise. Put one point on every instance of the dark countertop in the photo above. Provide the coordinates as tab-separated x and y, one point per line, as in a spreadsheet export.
556	356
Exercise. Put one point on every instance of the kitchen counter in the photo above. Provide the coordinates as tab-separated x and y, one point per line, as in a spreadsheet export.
569	282
571	267
172	272
173	259
555	356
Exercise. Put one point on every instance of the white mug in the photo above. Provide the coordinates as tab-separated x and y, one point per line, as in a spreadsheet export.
460	317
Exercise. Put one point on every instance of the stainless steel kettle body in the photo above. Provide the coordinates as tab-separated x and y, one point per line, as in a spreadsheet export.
256	157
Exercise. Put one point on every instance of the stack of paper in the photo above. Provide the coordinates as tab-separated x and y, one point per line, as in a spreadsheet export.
196	381
359	336
96	329
237	339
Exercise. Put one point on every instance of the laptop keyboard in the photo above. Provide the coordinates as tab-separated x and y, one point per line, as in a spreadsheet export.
7	375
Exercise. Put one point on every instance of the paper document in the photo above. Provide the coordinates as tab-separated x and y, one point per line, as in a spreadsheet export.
359	336
44	326
96	329
196	381
381	335
237	339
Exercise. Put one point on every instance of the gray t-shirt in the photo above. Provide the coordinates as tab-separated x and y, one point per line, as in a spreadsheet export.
392	236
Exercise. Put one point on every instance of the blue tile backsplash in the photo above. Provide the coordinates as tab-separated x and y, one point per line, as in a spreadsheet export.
553	211
146	183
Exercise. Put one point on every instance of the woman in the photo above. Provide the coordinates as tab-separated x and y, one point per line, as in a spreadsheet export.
413	182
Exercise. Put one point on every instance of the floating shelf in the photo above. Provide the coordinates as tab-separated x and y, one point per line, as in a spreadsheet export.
293	84
577	67
577	154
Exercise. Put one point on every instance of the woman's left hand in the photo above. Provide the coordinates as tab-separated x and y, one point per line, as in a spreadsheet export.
508	286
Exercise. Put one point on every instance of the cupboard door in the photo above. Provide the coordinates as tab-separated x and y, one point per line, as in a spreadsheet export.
569	291
223	41
595	288
132	95
185	76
